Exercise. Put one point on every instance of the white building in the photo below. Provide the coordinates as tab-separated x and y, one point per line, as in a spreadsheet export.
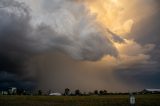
12	90
4	92
55	94
151	91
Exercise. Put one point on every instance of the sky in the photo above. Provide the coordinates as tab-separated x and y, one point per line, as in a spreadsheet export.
80	44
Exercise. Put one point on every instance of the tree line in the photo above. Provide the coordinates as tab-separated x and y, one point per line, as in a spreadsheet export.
67	92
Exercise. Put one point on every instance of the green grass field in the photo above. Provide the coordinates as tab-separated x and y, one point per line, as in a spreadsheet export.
110	100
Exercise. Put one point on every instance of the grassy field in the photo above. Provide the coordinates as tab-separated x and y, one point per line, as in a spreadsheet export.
110	100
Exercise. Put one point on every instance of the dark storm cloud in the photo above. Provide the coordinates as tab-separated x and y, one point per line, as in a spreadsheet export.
19	38
80	47
145	77
13	30
20	41
10	80
31	52
15	45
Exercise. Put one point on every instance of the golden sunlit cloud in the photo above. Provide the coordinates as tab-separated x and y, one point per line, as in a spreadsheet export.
112	15
119	16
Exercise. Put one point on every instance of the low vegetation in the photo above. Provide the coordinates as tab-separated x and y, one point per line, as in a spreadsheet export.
108	100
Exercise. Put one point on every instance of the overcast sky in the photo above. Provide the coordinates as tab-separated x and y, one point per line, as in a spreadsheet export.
80	44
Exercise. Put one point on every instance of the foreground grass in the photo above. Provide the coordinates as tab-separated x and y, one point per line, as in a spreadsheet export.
110	100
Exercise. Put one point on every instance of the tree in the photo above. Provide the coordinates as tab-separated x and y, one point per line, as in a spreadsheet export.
101	92
39	92
77	92
96	92
20	91
105	92
67	92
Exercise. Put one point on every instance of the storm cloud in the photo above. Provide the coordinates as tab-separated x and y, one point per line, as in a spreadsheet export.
58	43
20	40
